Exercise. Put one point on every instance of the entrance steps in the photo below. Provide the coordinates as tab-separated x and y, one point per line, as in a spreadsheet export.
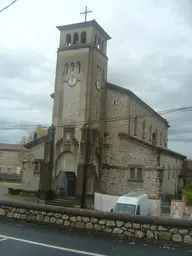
63	202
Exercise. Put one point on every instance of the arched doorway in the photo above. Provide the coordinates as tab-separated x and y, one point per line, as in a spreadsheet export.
66	173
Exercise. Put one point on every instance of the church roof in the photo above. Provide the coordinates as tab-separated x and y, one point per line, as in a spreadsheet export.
91	23
36	142
10	147
144	143
135	97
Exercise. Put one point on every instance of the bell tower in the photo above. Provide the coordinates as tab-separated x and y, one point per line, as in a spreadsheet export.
81	73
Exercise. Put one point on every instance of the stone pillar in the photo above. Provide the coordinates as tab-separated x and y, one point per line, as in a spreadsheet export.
177	209
155	206
158	182
86	174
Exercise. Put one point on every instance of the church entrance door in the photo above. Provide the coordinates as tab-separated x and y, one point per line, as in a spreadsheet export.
66	184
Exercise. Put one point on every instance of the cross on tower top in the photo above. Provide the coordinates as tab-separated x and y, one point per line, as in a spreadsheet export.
85	13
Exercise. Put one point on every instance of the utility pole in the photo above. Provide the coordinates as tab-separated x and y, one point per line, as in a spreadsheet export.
86	131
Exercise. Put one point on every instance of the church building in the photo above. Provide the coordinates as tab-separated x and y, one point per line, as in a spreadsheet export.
106	138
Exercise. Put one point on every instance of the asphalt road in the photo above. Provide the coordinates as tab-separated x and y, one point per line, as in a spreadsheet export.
21	239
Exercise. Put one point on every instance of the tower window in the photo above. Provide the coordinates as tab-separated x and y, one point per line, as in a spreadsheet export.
66	69
95	39
72	67
83	37
102	46
75	38
68	40
99	44
78	67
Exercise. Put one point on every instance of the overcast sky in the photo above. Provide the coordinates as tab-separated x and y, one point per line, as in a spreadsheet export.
150	53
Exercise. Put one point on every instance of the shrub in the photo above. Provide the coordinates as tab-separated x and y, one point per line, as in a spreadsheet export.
187	193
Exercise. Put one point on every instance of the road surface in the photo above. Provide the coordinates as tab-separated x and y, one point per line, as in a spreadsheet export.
21	239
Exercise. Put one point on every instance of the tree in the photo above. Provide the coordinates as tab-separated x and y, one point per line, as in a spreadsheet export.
39	130
187	193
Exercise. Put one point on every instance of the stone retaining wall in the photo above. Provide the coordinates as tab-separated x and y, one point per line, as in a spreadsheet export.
130	227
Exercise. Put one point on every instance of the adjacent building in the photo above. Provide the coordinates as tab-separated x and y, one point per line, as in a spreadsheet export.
10	164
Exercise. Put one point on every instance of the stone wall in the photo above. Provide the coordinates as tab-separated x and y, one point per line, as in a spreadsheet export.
125	226
30	173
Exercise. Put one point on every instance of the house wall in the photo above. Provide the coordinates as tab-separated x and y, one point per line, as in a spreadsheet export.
9	159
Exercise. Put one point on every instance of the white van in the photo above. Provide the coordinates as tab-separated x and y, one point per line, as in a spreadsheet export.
135	203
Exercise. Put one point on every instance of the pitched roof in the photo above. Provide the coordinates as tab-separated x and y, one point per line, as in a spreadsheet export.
36	142
135	97
10	147
91	23
144	143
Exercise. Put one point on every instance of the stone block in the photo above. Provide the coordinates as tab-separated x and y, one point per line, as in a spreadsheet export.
67	223
65	217
136	225
119	223
139	234
117	231
110	223
164	235
59	221
2	211
97	227
187	239
107	230
73	218
89	225
80	224
150	234
85	219
177	238
183	231
128	225
102	222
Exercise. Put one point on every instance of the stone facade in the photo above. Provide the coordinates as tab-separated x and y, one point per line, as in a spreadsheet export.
131	149
124	226
31	166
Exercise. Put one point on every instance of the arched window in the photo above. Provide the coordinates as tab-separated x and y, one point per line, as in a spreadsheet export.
102	46
103	75
95	39
83	37
72	67
143	126
68	40
66	69
99	44
135	126
161	138
76	38
78	67
97	69
150	132
154	138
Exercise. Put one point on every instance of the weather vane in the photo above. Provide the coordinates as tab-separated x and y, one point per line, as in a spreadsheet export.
85	13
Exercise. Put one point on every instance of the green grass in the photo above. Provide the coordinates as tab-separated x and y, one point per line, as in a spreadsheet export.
10	181
30	199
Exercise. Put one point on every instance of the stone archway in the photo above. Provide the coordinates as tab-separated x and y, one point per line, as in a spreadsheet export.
66	173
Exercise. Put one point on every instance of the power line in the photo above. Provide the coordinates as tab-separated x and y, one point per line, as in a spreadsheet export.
114	119
6	7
